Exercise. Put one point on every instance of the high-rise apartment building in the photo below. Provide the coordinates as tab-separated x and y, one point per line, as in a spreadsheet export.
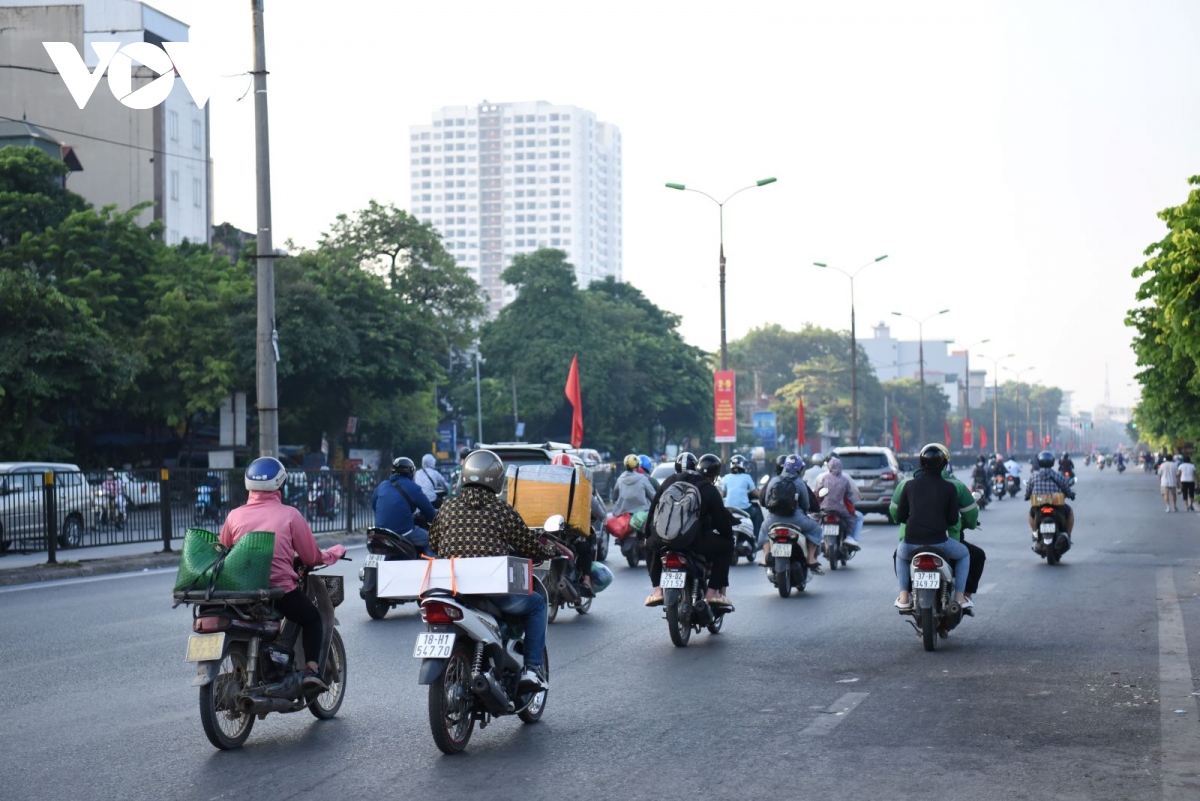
499	179
128	156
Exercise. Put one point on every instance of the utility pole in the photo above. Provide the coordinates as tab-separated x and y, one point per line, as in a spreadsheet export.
267	350
515	418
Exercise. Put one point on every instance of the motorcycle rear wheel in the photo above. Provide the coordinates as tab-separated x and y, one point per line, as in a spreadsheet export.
680	632
451	720
928	633
783	581
224	725
327	704
631	558
1052	555
376	609
533	713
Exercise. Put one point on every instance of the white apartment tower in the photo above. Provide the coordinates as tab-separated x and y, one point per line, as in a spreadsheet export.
499	179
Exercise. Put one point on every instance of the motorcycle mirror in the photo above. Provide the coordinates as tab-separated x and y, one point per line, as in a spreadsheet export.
976	495
554	523
824	491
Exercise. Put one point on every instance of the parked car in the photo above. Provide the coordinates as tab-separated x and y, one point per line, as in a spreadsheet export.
876	471
661	472
23	507
139	491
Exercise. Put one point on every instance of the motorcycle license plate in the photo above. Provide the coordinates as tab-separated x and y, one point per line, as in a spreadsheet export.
373	560
673	579
434	645
830	529
781	549
927	581
1048	528
205	647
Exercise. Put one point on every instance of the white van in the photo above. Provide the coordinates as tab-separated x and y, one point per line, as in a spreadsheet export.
22	504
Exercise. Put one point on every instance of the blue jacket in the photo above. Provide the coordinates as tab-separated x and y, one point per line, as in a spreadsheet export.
392	511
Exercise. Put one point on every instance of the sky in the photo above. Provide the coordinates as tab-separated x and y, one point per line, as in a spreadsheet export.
1009	157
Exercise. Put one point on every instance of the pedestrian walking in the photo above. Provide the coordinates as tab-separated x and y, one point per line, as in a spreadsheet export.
1168	482
1187	482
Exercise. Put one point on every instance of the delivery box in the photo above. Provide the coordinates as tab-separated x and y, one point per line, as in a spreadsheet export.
541	490
487	575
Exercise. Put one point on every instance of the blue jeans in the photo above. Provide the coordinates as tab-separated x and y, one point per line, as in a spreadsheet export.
532	610
858	524
953	550
420	538
809	527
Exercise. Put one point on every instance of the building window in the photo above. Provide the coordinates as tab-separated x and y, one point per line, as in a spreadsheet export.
197	135
196	192
173	125
174	185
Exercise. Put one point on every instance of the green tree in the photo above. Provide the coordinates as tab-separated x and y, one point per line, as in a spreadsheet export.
32	195
904	402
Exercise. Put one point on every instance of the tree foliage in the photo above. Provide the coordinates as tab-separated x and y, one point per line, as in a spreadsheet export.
1167	334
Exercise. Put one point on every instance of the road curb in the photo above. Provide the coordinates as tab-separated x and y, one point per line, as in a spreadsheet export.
127	564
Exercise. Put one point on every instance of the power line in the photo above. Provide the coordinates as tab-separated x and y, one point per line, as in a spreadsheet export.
108	141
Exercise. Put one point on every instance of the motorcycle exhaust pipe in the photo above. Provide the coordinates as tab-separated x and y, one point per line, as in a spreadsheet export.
486	686
258	705
566	588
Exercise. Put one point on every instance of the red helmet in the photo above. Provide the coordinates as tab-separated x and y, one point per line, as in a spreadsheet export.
562	459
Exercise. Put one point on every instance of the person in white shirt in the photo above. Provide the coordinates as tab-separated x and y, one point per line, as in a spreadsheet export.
813	473
1187	482
431	482
1168	482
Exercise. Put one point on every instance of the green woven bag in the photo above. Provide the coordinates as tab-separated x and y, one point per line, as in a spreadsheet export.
200	551
247	566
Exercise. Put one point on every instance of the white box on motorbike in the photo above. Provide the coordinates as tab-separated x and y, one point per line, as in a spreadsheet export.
485	575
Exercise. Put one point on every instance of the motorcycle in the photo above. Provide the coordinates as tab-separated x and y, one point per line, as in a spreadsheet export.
1050	538
935	610
323	502
684	581
789	559
208	504
1014	485
1120	467
471	659
745	543
249	659
981	498
106	510
633	542
998	487
1070	476
1100	462
833	545
561	580
383	545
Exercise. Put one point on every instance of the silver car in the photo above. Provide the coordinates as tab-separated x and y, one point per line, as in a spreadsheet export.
876	472
23	504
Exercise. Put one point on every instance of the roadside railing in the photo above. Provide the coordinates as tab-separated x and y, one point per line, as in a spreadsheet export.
56	511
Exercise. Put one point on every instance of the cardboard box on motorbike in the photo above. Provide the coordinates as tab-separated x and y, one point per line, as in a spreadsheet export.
486	575
541	490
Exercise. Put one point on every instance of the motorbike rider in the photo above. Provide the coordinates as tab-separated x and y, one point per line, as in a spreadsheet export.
928	506
788	468
634	492
395	500
715	537
738	489
265	511
114	491
841	489
968	517
979	476
647	467
1065	465
584	542
1048	481
476	523
817	469
432	483
1012	469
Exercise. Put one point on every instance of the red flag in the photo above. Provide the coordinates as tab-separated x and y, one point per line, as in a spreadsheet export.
1008	439
946	427
982	438
895	434
576	399
801	439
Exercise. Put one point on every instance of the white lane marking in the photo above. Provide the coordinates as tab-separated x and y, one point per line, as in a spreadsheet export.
1180	732
41	585
835	714
987	588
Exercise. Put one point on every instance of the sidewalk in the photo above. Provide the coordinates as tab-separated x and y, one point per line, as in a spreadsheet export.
16	568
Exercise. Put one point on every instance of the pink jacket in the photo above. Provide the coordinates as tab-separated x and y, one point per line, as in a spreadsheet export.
266	512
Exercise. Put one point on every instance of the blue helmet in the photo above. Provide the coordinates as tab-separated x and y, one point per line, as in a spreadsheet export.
647	465
793	463
265	474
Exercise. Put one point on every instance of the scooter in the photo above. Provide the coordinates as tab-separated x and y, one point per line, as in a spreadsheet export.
383	545
1050	538
633	542
684	580
745	542
207	506
1014	485
561	579
833	541
789	559
107	511
935	611
998	487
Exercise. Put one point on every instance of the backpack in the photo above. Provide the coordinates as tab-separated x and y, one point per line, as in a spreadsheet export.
677	515
781	497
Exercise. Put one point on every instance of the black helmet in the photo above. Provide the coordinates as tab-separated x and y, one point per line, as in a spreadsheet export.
404	466
1045	459
737	464
483	468
779	462
685	461
934	457
710	465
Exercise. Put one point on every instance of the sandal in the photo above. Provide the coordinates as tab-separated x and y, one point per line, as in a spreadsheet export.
904	607
654	600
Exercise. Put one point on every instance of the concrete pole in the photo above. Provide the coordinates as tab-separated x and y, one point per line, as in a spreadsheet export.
267	353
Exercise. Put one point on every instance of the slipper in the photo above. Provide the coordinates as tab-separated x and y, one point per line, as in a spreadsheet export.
815	569
967	604
718	600
586	591
904	607
653	600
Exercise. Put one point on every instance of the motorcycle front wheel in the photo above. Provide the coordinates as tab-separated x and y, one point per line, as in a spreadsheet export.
224	725
632	558
327	704
450	717
376	609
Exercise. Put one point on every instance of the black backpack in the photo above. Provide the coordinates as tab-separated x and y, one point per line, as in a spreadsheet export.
781	497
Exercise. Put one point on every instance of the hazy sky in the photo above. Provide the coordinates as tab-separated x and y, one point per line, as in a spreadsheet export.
1009	157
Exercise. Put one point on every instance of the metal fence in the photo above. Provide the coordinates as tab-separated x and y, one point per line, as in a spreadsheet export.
62	510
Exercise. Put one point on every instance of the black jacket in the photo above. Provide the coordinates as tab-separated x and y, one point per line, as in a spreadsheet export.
712	506
928	507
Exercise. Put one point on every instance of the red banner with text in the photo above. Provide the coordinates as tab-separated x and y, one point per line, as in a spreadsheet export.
724	406
968	434
1029	438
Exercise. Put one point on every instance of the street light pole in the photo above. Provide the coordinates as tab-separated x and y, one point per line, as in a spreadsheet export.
267	350
853	347
1019	374
967	399
721	260
921	358
996	390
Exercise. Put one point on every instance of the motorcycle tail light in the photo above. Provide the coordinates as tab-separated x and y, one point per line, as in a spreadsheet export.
887	475
928	562
1047	510
781	535
674	561
831	519
439	613
210	623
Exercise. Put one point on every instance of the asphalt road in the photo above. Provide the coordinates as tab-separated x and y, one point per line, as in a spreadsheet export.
1064	686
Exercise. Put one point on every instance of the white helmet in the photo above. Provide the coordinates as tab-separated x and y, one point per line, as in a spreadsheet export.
265	474
818	458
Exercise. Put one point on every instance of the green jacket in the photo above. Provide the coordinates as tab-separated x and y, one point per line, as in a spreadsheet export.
968	510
